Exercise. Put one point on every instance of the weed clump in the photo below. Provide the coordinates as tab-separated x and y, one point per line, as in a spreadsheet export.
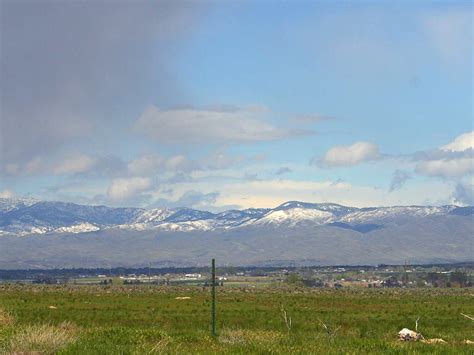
43	338
6	319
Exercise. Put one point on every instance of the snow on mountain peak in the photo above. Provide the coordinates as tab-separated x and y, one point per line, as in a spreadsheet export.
78	228
27	216
294	216
370	214
10	204
154	215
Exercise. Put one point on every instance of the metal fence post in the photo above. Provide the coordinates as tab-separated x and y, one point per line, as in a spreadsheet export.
213	296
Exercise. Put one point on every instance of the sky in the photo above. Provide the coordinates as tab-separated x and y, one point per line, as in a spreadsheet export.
237	104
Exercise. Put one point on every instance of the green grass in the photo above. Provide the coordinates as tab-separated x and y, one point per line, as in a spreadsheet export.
147	319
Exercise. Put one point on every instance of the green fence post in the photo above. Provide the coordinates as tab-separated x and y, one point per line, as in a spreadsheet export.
213	296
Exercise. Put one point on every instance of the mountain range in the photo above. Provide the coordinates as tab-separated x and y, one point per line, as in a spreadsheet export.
45	234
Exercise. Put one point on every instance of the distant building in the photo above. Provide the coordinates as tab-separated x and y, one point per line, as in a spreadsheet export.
193	276
391	282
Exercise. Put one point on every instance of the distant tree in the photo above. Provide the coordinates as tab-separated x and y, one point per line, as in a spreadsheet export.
436	279
459	277
420	283
230	270
294	279
432	277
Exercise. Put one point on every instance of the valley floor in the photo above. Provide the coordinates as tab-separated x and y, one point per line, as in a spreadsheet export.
147	320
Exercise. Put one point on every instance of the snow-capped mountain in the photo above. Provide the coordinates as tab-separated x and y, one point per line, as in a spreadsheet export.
11	204
294	216
39	234
26	216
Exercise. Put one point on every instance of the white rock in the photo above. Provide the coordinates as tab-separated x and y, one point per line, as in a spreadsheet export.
408	335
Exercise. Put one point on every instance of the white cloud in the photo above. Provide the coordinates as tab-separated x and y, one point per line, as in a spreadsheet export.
452	160
461	143
446	167
127	188
350	155
76	164
210	125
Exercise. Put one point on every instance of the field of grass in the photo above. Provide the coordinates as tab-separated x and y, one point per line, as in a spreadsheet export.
150	319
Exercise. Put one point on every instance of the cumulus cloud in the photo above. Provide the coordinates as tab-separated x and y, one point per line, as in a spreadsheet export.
210	125
349	155
455	159
461	143
399	178
456	167
124	189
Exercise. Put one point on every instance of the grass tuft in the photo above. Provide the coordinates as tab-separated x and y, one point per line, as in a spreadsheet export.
6	319
43	338
248	336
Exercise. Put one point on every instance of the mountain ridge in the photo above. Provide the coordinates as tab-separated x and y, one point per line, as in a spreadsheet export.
51	235
28	216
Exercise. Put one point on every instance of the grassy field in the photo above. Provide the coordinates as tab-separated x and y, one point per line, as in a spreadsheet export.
147	320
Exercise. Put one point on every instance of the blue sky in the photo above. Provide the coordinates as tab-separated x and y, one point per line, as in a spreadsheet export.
219	105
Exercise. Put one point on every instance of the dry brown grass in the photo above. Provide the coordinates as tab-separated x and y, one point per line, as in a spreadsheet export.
6	319
43	338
